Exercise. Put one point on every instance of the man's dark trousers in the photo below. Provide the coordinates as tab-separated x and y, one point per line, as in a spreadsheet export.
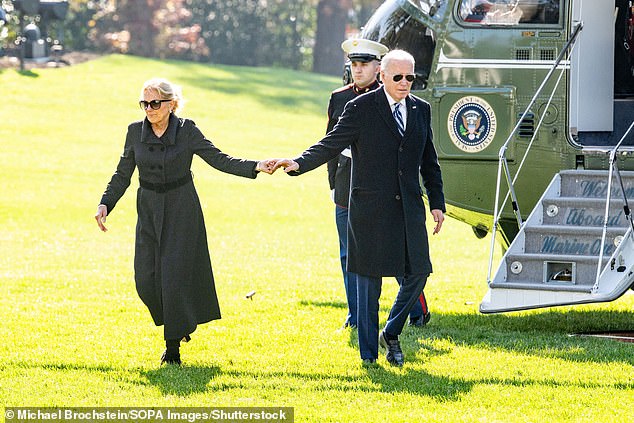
349	278
368	294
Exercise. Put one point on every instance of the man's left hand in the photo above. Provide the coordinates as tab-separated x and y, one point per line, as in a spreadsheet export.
288	165
439	217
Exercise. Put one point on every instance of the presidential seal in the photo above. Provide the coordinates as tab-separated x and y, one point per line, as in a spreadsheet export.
471	124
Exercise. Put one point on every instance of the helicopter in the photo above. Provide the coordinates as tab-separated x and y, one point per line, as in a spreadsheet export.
532	114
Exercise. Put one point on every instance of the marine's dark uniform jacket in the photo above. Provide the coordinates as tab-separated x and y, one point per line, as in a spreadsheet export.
171	263
339	167
387	213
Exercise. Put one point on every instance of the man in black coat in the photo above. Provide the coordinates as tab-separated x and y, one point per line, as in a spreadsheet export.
389	131
365	64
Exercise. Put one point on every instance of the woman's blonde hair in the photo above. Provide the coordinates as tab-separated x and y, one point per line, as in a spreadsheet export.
166	90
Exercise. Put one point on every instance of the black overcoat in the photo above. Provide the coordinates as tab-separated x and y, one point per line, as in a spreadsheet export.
386	224
172	268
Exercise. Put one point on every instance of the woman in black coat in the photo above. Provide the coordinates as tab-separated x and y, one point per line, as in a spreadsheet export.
172	268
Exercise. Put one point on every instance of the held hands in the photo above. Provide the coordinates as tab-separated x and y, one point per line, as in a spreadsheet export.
271	165
266	166
289	165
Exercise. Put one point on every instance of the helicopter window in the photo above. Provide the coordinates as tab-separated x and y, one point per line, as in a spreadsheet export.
509	12
397	29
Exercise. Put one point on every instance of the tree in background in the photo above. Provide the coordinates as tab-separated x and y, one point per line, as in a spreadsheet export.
138	19
297	34
291	25
7	25
332	17
153	28
86	23
232	29
255	32
178	38
334	20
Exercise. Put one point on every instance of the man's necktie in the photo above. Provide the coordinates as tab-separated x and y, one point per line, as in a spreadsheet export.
398	117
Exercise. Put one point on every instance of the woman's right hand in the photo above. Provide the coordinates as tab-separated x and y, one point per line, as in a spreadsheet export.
100	216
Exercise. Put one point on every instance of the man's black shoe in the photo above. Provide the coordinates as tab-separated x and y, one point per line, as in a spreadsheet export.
421	321
394	353
369	361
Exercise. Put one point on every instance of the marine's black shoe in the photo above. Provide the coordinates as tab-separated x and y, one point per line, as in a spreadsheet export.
421	321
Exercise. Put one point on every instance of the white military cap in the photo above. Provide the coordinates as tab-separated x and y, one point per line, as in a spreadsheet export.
361	50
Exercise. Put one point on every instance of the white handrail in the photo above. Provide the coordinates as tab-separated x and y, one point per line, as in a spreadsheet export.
613	166
502	162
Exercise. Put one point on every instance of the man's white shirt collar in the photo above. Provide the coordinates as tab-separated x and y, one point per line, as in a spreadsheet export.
391	101
403	109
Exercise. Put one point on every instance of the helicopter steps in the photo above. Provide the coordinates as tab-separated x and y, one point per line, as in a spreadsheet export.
553	260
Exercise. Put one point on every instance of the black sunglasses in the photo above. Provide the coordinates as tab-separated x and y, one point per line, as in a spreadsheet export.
409	77
154	104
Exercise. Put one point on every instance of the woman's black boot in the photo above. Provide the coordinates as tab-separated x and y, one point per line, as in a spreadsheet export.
172	354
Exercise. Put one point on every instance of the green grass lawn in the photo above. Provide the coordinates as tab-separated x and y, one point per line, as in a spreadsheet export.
74	333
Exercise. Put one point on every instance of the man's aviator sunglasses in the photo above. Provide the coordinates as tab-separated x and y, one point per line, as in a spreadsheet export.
408	77
154	104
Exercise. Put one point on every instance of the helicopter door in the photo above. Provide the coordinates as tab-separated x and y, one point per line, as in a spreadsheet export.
592	68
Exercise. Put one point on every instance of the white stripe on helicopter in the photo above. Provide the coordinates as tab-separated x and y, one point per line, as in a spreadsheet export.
446	62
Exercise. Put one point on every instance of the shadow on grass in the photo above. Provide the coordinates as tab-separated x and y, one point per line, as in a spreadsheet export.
544	334
189	380
327	304
182	381
384	307
29	73
410	380
441	388
171	380
379	379
541	334
416	382
65	367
